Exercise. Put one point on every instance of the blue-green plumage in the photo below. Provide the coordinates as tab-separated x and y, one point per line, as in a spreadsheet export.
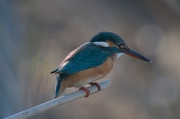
104	36
58	83
85	57
91	55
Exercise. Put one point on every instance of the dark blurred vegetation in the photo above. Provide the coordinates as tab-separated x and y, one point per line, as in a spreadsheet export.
36	35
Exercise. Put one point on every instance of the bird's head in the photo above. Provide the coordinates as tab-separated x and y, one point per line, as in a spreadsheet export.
109	39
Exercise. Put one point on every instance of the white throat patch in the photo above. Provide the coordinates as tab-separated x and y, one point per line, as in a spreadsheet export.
119	54
102	44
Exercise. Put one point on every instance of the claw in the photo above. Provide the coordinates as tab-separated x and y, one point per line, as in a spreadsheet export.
96	84
86	90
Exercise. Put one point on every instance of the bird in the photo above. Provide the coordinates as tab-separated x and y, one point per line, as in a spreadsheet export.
91	61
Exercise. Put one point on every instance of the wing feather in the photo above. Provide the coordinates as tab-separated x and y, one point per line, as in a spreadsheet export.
84	57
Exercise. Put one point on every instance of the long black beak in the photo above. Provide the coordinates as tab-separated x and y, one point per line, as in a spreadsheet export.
135	55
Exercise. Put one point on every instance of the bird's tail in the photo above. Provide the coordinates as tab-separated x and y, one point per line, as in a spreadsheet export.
58	85
59	78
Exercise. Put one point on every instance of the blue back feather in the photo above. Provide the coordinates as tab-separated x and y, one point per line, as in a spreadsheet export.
83	58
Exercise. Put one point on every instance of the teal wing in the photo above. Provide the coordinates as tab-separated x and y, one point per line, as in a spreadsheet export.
84	57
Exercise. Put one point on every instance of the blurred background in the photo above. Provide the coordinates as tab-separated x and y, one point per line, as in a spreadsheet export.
36	35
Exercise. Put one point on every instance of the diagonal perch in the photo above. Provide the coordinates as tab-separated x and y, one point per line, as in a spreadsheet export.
59	101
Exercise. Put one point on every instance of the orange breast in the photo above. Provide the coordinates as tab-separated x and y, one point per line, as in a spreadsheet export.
86	76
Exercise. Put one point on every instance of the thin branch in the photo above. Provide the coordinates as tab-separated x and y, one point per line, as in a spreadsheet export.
59	101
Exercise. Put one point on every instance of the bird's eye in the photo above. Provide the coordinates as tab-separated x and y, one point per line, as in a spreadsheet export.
118	45
122	46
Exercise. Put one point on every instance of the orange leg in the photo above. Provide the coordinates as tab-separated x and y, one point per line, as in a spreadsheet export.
86	90
96	84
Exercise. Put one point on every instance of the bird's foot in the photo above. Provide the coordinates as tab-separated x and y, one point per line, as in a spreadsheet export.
96	84
86	90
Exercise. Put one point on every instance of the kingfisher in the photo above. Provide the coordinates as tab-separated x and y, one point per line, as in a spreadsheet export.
91	61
